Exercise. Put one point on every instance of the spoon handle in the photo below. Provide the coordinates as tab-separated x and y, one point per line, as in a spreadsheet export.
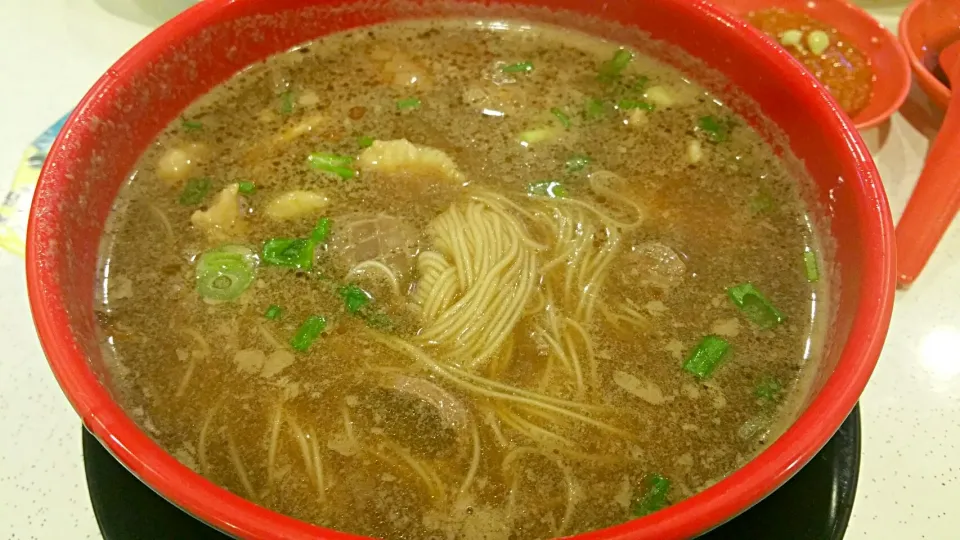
935	200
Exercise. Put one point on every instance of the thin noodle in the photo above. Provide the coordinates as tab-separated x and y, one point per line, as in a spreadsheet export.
204	347
202	444
164	220
182	387
301	441
318	466
382	268
274	436
238	465
474	463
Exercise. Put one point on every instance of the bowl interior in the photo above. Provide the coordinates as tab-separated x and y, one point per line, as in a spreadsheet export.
149	87
925	28
891	68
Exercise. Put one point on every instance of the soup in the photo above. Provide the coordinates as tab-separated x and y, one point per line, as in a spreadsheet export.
460	280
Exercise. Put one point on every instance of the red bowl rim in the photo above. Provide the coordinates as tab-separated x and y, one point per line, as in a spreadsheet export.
237	516
929	82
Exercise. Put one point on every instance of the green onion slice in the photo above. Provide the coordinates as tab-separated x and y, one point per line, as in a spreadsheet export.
224	273
341	166
755	305
706	357
595	109
578	163
321	231
308	332
641	84
290	252
769	389
195	191
408	103
246	187
273	312
365	141
354	298
286	102
613	68
717	130
811	266
548	188
519	67
654	497
191	125
561	116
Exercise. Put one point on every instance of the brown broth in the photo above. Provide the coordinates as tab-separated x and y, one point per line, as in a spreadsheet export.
218	382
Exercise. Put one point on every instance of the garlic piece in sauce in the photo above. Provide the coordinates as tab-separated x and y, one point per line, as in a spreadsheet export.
818	41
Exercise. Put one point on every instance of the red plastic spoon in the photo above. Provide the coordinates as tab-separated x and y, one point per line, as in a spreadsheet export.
936	199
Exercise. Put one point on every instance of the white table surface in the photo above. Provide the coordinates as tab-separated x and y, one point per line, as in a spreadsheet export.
51	51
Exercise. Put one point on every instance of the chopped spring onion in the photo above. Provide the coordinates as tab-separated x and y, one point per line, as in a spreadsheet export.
578	163
290	252
308	332
365	141
768	389
195	191
409	103
321	231
224	273
641	84
561	116
717	130
286	102
191	125
549	188
354	298
611	69
654	497
629	104
246	187
811	266
341	166
595	109
755	305
519	67
706	357
273	312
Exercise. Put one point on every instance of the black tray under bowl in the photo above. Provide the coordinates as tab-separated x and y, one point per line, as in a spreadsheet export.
814	505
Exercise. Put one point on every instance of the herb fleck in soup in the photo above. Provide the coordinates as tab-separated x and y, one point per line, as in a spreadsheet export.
430	279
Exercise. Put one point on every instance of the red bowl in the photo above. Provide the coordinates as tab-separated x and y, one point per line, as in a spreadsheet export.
926	26
891	69
152	83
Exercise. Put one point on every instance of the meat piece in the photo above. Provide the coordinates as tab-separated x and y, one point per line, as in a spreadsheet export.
178	164
401	155
401	70
296	203
224	219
